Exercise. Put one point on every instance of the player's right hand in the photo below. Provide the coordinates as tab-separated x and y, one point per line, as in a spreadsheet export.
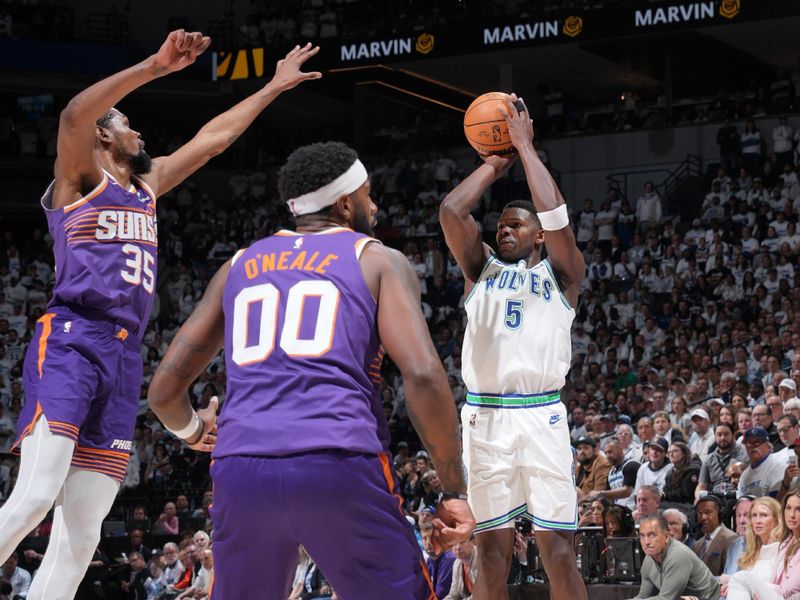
208	415
287	71
454	523
180	49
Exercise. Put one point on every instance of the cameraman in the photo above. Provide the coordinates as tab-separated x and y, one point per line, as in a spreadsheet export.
713	476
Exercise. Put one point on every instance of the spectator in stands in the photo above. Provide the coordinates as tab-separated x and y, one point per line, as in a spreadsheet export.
728	141
764	475
662	426
678	526
742	518
712	476
764	532
712	547
18	577
303	565
136	543
782	136
439	563
632	450
654	471
648	208
465	570
591	473
648	502
670	569
618	522
750	142
173	568
139	519
167	523
201	585
703	436
791	476
134	577
621	476
681	481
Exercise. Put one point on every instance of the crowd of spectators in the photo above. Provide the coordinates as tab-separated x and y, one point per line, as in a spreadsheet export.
683	386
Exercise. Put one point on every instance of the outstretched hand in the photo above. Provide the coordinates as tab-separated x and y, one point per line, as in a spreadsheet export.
208	439
287	71
180	49
520	124
454	523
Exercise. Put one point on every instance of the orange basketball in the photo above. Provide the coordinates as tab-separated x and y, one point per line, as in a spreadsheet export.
484	125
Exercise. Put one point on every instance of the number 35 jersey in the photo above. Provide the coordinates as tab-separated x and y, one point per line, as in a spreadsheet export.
517	339
302	350
106	248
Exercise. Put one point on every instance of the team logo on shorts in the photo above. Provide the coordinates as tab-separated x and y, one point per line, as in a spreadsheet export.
554	419
472	420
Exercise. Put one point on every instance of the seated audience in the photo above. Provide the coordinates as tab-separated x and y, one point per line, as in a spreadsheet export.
712	547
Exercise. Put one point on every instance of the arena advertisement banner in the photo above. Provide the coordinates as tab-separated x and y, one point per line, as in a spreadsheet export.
470	38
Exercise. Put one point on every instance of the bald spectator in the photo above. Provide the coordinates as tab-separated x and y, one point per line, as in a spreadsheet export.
167	523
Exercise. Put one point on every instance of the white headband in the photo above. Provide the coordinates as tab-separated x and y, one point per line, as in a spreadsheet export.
347	183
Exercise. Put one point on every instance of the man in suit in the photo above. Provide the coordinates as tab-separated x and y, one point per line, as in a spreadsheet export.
712	547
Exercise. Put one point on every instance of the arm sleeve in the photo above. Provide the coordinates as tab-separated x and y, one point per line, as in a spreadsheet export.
629	473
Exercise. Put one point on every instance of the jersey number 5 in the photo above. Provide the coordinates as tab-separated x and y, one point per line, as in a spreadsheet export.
268	296
513	314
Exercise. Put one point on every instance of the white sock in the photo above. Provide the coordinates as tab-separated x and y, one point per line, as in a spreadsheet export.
84	501
43	469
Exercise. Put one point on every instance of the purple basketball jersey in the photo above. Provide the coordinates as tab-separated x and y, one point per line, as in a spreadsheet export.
302	350
106	247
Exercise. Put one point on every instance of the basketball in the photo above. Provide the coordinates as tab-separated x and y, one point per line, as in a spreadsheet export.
484	125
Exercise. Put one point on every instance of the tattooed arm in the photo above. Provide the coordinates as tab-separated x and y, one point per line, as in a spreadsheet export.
195	345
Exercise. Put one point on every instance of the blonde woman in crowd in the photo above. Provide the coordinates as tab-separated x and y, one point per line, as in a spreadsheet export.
762	538
784	581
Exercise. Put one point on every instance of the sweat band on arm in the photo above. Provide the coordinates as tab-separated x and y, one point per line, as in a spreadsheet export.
195	424
555	219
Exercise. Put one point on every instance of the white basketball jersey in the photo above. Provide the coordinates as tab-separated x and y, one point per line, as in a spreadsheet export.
517	339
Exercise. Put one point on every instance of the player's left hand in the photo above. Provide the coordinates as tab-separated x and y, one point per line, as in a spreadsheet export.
454	523
180	49
287	71
208	415
520	124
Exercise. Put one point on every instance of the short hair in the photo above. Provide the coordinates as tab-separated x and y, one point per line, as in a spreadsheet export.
651	490
663	526
171	546
313	166
724	424
682	517
525	205
787	417
105	120
134	554
425	526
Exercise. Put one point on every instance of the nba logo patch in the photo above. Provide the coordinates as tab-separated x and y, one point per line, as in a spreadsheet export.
472	420
297	243
67	326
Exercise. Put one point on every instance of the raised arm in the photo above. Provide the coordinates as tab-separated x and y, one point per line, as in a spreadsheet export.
77	127
460	229
219	133
195	345
405	336
562	251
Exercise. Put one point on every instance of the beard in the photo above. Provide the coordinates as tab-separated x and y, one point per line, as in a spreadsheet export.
141	163
362	223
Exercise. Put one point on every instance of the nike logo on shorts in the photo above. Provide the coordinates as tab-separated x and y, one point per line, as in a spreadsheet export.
554	419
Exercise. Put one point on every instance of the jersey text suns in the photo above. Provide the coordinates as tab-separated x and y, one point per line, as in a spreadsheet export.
126	225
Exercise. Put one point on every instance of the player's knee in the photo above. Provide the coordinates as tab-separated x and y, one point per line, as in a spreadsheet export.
37	503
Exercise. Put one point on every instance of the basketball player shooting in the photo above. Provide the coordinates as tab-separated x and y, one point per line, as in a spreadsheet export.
82	371
303	450
516	354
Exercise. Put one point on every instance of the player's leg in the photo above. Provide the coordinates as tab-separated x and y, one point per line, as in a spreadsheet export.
495	550
43	469
346	512
552	498
83	503
496	493
255	552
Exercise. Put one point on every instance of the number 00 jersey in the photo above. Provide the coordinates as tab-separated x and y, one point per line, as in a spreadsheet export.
302	350
106	247
517	339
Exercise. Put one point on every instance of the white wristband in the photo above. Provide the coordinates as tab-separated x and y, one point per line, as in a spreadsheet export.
191	429
555	219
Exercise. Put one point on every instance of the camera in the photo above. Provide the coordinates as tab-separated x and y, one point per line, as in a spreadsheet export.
523	526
